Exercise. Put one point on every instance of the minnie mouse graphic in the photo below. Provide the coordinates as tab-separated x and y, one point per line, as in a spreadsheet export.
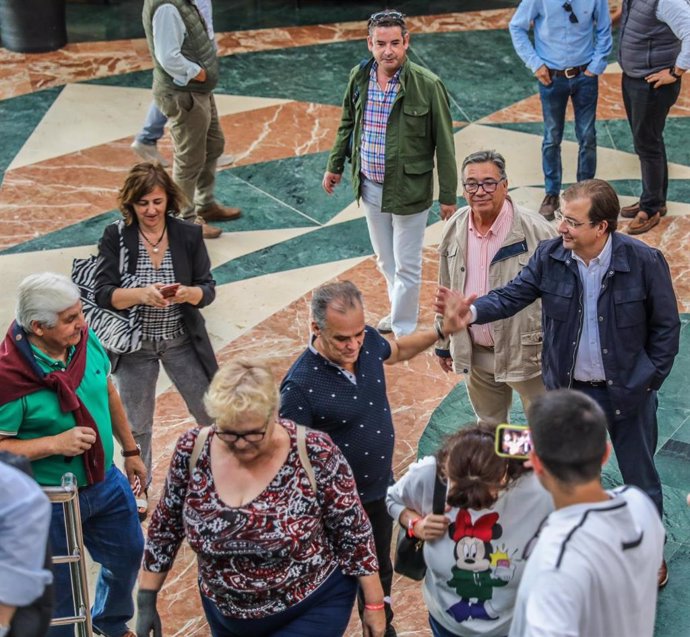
474	576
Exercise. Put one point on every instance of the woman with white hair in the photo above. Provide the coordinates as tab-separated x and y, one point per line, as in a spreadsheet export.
272	511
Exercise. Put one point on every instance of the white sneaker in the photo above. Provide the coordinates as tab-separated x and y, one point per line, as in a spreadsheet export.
385	325
224	161
149	152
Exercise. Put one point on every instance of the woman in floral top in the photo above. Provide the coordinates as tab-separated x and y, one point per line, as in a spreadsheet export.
275	557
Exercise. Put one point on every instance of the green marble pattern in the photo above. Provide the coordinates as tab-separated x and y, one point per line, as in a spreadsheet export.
18	118
615	134
324	245
672	460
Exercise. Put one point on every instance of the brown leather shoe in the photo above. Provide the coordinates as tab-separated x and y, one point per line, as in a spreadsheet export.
549	206
208	231
643	222
663	575
630	212
216	212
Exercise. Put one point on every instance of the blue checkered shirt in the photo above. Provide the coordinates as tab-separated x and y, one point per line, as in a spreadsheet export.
376	112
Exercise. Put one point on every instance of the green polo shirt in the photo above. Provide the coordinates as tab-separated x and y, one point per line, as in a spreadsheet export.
38	415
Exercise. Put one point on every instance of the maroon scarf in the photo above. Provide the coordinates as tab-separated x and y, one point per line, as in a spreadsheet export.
21	375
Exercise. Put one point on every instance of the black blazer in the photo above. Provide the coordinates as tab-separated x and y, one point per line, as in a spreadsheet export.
191	265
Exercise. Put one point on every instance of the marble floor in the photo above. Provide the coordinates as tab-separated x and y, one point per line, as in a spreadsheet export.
68	118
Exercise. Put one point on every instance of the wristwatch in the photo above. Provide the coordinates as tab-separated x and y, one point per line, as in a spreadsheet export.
673	73
132	452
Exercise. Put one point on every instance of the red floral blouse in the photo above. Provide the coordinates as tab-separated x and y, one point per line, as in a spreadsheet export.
271	553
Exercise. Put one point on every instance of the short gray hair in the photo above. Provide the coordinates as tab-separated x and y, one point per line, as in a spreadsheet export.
486	156
340	296
41	297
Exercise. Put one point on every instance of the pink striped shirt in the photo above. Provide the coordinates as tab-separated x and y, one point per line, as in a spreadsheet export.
481	249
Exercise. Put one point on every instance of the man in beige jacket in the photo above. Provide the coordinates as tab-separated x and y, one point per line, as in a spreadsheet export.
484	245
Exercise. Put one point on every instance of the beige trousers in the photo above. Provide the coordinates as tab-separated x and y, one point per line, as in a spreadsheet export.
491	400
198	140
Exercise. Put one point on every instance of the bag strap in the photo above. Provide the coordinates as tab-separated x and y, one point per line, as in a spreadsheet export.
304	456
198	446
439	501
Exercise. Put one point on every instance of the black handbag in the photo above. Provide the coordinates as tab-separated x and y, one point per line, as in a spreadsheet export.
409	551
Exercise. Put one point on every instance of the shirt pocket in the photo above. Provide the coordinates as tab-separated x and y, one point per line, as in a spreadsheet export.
416	118
629	306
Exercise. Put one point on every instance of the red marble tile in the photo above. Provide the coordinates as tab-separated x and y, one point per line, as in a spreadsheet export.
609	105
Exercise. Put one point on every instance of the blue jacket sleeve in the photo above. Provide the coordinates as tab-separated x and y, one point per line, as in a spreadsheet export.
507	301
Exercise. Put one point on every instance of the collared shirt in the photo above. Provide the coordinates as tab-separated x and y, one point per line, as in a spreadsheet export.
558	42
481	249
376	112
348	374
24	521
168	36
588	364
676	14
38	414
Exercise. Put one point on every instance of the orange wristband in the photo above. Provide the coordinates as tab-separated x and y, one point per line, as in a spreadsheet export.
380	606
410	526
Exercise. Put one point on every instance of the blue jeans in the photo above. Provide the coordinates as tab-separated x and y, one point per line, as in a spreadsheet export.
152	130
584	92
113	537
324	613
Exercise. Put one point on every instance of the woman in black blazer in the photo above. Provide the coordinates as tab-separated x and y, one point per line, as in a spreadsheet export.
171	266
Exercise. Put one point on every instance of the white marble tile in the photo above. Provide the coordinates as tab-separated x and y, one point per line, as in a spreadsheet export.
86	115
522	152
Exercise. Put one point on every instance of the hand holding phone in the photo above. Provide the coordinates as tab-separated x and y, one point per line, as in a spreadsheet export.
168	291
513	441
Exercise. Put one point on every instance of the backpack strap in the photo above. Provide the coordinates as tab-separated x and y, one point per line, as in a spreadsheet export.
198	446
304	456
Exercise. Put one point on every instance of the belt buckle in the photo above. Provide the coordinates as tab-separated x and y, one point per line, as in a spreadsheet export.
574	70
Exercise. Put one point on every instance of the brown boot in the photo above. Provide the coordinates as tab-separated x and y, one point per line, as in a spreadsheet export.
209	231
216	212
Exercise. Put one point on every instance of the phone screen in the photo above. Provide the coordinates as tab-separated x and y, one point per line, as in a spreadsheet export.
513	441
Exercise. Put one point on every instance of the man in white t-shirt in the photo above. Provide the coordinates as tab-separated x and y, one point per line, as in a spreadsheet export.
592	569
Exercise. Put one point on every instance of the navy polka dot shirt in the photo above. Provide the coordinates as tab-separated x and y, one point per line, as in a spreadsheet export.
354	411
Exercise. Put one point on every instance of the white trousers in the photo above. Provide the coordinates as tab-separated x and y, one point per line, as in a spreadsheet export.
397	241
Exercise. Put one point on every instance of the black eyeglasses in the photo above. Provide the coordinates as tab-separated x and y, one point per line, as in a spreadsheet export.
232	436
387	17
488	185
569	8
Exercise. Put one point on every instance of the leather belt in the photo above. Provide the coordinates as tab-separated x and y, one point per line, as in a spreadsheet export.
569	73
589	383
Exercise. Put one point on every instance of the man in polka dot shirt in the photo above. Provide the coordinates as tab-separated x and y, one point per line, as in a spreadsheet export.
338	385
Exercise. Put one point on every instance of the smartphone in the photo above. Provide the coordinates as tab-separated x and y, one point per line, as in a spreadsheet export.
169	290
513	441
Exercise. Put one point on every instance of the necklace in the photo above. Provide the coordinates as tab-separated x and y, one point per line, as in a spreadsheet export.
154	246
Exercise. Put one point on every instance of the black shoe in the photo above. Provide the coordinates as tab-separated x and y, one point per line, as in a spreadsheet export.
549	206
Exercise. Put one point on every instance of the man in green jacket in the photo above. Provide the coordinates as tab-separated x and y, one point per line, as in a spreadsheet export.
396	116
